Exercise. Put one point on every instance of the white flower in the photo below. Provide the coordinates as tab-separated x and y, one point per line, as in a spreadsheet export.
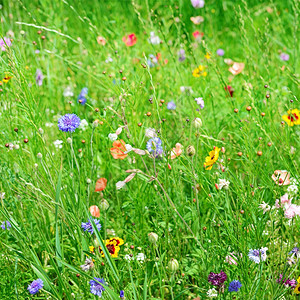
223	183
68	92
140	257
264	206
292	189
109	60
150	133
197	122
113	137
49	124
128	148
120	184
154	39
212	293
2	195
128	257
58	144
83	125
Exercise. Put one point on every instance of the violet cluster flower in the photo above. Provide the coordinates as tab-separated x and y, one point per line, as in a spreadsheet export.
284	56
197	3
68	123
35	286
171	105
220	52
39	77
287	282
234	286
258	255
88	226
97	287
82	96
5	225
181	55
4	43
217	279
154	146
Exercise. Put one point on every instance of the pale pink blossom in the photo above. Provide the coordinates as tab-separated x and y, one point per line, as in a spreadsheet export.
176	151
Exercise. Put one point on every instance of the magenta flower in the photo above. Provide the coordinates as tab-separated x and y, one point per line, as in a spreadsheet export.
4	43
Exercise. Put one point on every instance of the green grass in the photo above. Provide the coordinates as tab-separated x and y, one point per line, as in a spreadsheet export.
46	199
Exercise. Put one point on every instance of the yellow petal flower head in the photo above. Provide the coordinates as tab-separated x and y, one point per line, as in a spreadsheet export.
200	71
297	288
293	117
212	158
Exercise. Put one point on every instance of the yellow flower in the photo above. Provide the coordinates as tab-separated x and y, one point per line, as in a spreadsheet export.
112	246
212	158
92	249
199	71
297	288
207	56
293	117
6	79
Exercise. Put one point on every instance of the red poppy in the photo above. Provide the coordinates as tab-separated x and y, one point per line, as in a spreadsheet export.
197	34
101	184
118	150
129	39
230	90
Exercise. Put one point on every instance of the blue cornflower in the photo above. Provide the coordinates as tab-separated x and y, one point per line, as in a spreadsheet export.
96	286
220	52
258	255
234	286
88	226
5	225
295	250
171	105
152	61
122	294
68	123
82	96
154	146
181	55
35	286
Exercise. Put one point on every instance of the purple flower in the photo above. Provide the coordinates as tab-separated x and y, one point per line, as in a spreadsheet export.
200	102
88	226
39	77
295	251
7	223
35	286
97	286
171	105
181	55
82	96
122	294
258	255
4	43
284	56
68	123
220	52
234	286
217	279
197	3
154	146
287	282
152	61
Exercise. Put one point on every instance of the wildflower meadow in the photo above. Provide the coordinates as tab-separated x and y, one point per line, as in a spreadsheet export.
149	149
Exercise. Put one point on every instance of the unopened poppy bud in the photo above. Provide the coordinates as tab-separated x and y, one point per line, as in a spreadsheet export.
223	150
153	237
39	155
88	181
190	150
197	123
95	211
95	123
104	205
173	265
41	130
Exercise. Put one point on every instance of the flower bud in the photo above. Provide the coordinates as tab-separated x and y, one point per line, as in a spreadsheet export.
95	211
190	151
88	181
41	130
95	123
173	265
69	140
39	155
104	205
153	237
197	123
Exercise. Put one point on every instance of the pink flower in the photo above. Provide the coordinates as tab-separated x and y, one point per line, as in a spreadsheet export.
95	211
176	151
129	39
4	43
292	211
236	68
231	258
285	199
198	35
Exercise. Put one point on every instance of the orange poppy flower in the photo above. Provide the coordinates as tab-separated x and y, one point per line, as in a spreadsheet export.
118	150
95	211
176	151
101	184
129	39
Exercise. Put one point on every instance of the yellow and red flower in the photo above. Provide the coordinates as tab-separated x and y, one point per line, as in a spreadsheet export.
212	158
293	117
113	246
